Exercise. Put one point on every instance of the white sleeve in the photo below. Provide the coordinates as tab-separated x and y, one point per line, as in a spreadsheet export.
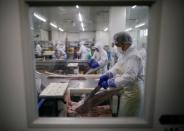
113	70
131	72
94	55
103	60
63	53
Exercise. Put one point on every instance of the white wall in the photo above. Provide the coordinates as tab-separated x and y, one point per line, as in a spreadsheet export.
169	89
58	35
61	36
87	35
102	36
117	20
39	34
12	98
43	35
73	36
170	83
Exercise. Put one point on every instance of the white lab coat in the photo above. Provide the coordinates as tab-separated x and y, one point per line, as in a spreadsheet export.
38	49
61	54
128	74
101	57
83	51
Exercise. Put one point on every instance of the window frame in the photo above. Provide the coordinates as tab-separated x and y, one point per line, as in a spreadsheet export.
33	120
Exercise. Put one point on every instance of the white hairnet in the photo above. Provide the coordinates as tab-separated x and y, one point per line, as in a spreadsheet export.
122	37
82	43
99	45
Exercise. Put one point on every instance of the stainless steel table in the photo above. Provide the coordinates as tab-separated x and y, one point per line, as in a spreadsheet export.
76	87
52	65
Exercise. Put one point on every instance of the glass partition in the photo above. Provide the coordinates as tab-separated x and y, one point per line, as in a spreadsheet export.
68	39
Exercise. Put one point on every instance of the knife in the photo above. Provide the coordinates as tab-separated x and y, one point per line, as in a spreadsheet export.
92	93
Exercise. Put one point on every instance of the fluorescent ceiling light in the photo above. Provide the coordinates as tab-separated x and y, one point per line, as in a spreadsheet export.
82	25
80	17
106	29
39	17
77	6
133	6
53	25
146	32
139	25
61	29
83	29
128	29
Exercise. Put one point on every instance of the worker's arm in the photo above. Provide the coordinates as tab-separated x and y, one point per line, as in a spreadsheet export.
103	60
64	54
108	75
114	69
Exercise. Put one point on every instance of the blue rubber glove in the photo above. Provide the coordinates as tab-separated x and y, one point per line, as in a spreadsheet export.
90	61
94	64
105	77
104	84
108	83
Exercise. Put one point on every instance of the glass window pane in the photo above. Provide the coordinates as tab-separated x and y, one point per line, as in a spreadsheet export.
75	45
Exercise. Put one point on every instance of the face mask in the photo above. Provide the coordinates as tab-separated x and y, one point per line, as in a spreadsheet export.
119	49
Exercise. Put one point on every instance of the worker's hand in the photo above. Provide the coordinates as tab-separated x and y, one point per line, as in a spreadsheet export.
109	83
105	77
104	84
94	64
90	61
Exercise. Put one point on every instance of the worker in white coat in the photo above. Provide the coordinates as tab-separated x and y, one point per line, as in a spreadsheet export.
127	74
38	50
99	58
83	51
60	52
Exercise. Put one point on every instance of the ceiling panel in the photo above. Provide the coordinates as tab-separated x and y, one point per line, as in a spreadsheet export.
94	18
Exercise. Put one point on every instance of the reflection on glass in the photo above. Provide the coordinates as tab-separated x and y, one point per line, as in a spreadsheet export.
74	46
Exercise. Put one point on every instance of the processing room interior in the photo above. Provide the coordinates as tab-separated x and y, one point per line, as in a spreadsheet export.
74	46
90	65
